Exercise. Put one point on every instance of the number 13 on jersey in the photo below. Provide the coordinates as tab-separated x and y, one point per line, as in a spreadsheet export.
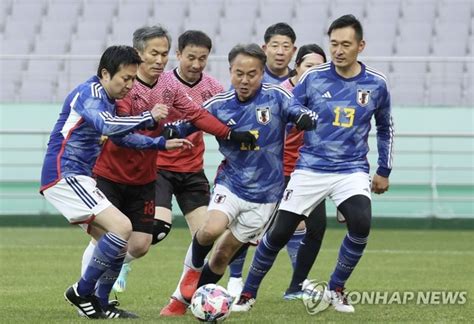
346	119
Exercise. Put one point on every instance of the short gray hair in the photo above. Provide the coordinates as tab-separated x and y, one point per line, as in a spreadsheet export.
143	34
252	50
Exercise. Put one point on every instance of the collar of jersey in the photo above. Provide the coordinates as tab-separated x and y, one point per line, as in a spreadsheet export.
281	79
358	76
186	83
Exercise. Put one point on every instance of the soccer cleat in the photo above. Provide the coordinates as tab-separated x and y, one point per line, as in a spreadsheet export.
244	304
293	295
174	308
121	282
188	284
88	305
235	286
338	300
111	311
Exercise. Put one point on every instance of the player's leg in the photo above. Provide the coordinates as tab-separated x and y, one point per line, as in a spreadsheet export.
224	250
308	251
267	250
301	196
81	202
139	206
352	197
164	189
295	241
192	194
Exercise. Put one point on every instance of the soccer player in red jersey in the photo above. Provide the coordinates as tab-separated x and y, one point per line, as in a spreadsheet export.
182	173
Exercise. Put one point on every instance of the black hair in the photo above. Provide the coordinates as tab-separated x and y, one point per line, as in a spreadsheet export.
252	50
194	37
305	50
116	56
280	28
347	21
144	34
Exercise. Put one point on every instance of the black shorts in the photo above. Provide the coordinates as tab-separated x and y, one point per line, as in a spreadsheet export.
137	202
190	188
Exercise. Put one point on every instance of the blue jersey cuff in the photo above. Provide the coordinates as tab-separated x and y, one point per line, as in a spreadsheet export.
160	143
384	172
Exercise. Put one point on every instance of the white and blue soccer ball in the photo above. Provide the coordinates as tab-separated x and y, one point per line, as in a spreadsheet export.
211	303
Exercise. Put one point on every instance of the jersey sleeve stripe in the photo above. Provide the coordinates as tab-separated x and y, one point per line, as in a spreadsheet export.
220	97
267	86
376	73
321	67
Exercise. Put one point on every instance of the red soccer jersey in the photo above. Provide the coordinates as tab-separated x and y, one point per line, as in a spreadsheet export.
293	141
188	160
138	167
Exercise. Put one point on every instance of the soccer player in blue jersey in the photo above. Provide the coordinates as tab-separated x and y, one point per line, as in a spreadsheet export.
345	94
279	48
250	180
66	180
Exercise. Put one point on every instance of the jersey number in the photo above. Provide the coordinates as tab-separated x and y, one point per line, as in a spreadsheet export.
244	147
348	116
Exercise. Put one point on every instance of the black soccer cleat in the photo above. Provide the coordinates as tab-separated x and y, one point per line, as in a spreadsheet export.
88	305
111	311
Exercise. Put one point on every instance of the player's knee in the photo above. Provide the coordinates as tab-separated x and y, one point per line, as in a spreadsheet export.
359	215
124	230
139	250
207	234
283	228
161	230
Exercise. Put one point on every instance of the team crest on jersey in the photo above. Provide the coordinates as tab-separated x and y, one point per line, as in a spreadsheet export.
363	97
263	115
287	194
219	199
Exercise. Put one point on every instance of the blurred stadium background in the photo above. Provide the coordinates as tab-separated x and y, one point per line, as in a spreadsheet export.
425	48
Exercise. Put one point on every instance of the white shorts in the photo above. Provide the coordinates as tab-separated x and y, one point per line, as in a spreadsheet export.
77	198
307	189
247	220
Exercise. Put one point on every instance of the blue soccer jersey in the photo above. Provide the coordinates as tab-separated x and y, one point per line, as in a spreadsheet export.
74	143
345	108
255	175
269	77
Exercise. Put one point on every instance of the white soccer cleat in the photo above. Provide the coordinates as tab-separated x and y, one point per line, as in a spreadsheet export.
244	304
235	286
338	300
121	282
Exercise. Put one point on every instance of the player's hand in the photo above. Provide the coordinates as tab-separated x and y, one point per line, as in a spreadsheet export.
379	184
246	138
306	122
159	112
178	143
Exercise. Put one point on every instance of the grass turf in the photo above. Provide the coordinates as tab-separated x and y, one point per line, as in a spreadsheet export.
38	264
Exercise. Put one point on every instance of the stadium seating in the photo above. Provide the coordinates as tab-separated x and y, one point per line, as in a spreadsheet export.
433	29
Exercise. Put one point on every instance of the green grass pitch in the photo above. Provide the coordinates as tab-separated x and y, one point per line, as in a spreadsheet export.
37	265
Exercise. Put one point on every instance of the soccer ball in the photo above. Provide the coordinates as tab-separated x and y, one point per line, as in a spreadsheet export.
211	303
